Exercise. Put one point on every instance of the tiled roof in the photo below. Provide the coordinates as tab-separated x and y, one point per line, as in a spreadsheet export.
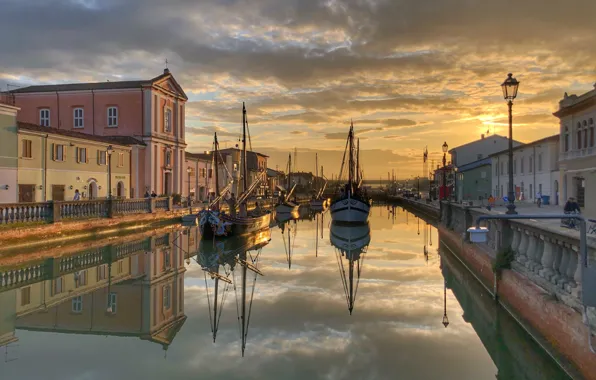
93	86
119	140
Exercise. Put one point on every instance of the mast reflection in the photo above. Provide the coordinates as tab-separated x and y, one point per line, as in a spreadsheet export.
351	243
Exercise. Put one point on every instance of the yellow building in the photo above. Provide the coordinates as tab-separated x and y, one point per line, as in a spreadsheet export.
8	153
53	163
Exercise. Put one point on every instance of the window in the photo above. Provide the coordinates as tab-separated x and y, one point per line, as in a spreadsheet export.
102	272
540	188
113	302
497	170
80	278
81	155
591	136
566	139
120	268
515	166
521	165
26	296
57	286
167	262
531	193
101	157
112	117
44	117
27	149
78	117
77	304
59	152
120	159
482	174
502	168
168	158
168	120
203	172
579	139
531	168
167	295
540	162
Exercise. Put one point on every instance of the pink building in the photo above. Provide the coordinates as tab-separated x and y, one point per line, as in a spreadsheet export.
149	110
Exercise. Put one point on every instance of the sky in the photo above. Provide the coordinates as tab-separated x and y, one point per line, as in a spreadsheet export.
410	74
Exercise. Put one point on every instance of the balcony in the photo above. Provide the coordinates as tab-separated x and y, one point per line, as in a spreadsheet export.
7	98
578	153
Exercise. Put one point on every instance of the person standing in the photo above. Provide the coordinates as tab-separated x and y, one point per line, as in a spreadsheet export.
539	198
153	194
77	195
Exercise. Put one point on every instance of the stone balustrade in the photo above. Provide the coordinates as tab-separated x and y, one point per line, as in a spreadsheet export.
25	212
547	255
49	212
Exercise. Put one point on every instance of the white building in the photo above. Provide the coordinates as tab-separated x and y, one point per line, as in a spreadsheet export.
535	169
479	149
578	152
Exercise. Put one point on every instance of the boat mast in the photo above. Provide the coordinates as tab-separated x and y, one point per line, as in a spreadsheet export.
289	170
351	157
216	160
351	275
244	166
316	170
358	162
215	324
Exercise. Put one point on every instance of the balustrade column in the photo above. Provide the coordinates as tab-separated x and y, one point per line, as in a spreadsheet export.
523	247
572	269
562	279
548	257
531	251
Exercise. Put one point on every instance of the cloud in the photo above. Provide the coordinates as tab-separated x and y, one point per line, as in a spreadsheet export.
298	133
209	131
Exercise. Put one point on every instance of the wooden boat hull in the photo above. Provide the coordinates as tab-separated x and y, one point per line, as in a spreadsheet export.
351	239
231	226
219	251
351	210
318	204
286	208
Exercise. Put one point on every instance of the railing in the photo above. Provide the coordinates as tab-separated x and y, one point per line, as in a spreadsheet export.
576	153
131	206
132	247
84	260
49	212
22	276
549	258
83	209
25	212
162	203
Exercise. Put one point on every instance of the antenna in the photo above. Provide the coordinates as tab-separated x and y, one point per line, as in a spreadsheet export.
295	159
166	63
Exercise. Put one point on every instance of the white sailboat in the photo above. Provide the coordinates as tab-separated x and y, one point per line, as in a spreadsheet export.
351	204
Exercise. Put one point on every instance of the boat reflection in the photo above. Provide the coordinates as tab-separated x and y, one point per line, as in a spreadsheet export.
351	243
230	261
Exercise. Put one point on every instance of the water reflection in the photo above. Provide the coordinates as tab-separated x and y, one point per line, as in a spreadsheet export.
351	243
172	291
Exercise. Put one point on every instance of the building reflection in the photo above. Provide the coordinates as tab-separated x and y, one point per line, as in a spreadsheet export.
134	289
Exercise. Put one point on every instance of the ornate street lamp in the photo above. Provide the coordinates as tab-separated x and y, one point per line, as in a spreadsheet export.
188	170
109	152
510	87
445	319
445	149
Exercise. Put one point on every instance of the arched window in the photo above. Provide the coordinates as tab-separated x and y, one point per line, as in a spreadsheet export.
565	141
591	133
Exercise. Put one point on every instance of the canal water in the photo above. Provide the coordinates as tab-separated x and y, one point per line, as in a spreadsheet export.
386	304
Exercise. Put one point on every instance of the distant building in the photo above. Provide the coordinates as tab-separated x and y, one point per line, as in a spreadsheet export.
474	180
53	163
151	111
577	115
479	149
256	163
8	153
200	176
535	169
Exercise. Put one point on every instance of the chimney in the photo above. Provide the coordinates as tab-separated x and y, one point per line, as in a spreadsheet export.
166	71
482	136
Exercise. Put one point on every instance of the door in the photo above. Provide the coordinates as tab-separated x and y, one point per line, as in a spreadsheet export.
57	192
120	190
92	191
581	191
166	183
26	193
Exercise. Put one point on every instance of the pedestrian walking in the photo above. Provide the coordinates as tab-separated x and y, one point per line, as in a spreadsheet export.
77	195
539	199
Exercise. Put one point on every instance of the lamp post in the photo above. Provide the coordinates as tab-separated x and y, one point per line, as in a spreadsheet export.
109	152
445	148
445	319
188	170
110	309
510	86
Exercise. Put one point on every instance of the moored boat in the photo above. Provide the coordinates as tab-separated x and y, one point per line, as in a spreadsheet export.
351	204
